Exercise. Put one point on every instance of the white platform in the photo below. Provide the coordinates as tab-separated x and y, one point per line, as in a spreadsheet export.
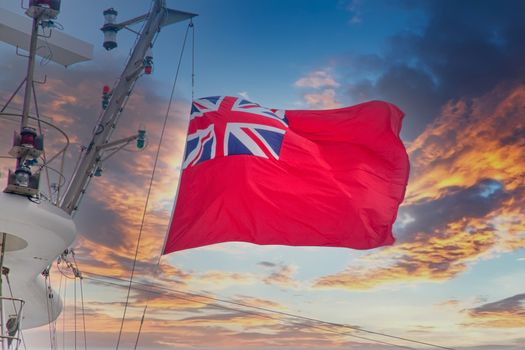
37	234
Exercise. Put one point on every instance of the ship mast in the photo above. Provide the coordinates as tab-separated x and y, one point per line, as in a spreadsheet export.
28	231
139	60
28	146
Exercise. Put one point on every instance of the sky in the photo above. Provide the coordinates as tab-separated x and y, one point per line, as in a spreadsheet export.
455	277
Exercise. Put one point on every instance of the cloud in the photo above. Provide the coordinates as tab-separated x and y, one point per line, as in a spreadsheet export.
317	79
465	198
424	68
505	313
322	86
455	204
323	100
280	275
267	264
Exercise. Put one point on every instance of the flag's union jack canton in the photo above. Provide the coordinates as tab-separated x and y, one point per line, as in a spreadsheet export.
225	126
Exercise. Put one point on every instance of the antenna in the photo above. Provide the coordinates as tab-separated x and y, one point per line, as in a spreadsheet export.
63	49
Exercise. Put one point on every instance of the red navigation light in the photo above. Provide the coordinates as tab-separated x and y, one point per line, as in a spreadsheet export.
28	136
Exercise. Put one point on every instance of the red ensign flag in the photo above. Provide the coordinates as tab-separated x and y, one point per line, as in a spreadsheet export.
302	178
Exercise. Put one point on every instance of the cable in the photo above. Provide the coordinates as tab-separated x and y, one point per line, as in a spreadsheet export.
149	190
64	316
56	321
260	315
77	273
75	310
83	314
48	307
192	60
140	327
202	296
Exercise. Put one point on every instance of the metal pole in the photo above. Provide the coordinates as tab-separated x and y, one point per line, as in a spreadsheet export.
30	72
2	328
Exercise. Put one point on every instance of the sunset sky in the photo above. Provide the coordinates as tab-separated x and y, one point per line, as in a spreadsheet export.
456	275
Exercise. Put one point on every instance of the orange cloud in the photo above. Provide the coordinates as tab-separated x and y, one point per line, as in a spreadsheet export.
317	79
470	143
325	99
506	313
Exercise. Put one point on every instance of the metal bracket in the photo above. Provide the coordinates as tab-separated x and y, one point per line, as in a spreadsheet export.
41	82
19	54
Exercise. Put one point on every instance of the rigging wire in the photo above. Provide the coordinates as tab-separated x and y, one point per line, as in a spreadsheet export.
83	314
79	275
48	307
192	60
56	321
140	327
150	187
64	316
161	290
75	310
253	313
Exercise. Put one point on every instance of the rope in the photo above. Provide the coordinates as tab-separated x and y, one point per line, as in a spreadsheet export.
83	314
150	186
48	307
79	275
192	60
64	316
75	310
308	325
56	321
156	270
170	291
140	327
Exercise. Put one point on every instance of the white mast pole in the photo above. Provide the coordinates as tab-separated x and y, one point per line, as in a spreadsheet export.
30	72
